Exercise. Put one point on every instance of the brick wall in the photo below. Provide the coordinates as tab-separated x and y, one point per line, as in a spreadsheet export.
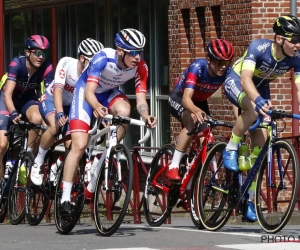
193	23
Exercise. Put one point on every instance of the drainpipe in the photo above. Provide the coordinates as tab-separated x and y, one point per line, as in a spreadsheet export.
2	38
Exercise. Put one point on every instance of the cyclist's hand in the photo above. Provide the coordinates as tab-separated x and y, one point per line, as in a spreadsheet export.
262	105
61	118
199	116
100	112
15	117
151	121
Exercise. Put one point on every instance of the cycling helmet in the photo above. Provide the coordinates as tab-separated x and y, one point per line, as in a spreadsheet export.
37	42
220	49
130	39
287	26
89	47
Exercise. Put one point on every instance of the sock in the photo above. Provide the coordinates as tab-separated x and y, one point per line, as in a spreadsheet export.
251	191
176	159
41	155
29	149
67	187
233	143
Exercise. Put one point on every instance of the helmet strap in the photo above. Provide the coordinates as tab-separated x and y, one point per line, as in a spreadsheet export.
28	58
210	69
281	46
123	59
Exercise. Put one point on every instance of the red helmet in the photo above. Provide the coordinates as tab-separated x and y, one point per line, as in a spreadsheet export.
37	42
220	49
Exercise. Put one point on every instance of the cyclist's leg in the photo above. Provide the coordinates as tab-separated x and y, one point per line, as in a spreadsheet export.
80	119
47	110
234	93
118	104
5	123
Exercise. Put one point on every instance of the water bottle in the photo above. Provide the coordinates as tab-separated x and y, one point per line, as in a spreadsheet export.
243	158
8	167
92	184
54	167
87	171
253	156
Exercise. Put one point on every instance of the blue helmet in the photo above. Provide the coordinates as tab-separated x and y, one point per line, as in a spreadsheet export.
130	39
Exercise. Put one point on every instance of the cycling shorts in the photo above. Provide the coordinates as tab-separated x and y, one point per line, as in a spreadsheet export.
176	108
234	91
81	112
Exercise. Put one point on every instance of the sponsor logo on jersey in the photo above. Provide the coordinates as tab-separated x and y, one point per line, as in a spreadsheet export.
61	74
65	63
263	47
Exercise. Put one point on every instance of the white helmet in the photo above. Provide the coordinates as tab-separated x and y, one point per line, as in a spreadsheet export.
130	39
89	47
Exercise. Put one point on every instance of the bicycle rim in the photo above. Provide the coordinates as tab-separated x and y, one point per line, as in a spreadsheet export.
214	209
17	192
155	200
3	210
111	204
275	204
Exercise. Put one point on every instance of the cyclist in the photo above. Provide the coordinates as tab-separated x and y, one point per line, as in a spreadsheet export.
188	100
55	103
97	91
247	86
18	96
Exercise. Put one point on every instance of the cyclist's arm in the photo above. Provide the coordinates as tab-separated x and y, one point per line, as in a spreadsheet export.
89	95
57	98
142	105
189	104
8	91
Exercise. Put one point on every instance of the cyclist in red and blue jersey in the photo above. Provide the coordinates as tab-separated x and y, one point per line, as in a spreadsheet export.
97	93
19	95
188	100
247	86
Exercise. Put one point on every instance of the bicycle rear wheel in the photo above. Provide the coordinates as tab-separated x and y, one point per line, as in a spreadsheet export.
156	201
110	205
65	224
275	203
214	205
3	201
38	198
17	191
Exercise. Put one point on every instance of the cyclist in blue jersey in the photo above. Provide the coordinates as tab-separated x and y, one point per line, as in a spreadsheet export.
247	86
97	92
19	95
188	100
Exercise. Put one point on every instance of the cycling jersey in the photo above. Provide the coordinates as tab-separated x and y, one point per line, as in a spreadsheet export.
66	76
105	71
260	59
196	77
18	73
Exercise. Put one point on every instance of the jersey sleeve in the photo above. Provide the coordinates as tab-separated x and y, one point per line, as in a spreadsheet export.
61	73
13	69
48	74
141	77
192	74
96	66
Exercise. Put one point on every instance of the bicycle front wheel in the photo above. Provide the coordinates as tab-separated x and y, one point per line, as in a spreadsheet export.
156	201
275	203
112	197
17	191
214	204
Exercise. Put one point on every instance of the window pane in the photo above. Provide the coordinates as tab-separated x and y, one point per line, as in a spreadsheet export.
72	34
86	21
101	25
164	122
17	33
62	31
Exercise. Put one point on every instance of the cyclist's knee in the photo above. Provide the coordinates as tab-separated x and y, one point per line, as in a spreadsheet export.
35	117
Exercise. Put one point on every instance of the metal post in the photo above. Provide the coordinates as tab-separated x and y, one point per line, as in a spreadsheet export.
2	49
293	7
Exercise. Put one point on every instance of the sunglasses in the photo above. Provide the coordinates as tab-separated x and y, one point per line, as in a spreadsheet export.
39	53
133	52
220	63
87	58
293	39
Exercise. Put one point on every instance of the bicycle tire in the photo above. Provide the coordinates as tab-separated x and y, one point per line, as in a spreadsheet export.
3	212
267	214
14	216
155	200
66	224
38	197
214	210
114	200
194	194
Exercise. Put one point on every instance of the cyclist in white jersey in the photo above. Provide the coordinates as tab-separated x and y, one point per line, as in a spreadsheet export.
97	92
55	103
